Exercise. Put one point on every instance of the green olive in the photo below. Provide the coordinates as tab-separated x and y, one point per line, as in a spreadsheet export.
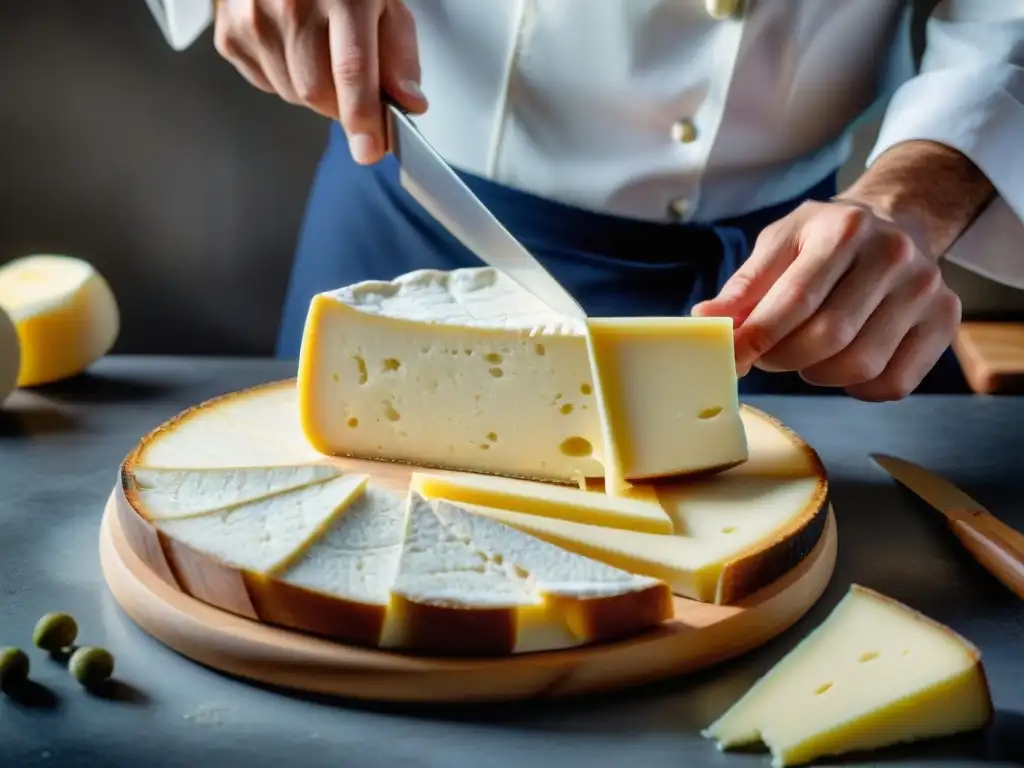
91	666
14	666
55	631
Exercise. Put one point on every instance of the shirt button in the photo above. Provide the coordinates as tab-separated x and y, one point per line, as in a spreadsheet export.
684	131
721	9
679	207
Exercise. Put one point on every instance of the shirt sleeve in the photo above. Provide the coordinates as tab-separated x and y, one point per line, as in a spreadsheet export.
969	95
182	21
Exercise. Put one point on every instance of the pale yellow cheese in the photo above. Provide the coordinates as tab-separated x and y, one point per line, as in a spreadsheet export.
714	520
639	512
66	315
875	673
667	396
466	370
10	356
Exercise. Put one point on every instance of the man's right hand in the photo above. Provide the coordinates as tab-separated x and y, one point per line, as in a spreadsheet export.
332	56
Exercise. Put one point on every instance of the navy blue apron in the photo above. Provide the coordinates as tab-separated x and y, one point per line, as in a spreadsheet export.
361	225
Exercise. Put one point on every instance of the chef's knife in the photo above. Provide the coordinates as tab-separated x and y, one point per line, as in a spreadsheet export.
431	181
997	546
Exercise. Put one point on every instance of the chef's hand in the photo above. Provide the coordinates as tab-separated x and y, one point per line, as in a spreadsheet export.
332	56
848	292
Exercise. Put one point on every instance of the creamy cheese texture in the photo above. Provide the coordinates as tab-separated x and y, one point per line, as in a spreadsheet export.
10	356
65	312
466	370
875	673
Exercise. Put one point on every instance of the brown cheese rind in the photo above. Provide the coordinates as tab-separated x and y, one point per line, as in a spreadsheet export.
616	617
443	630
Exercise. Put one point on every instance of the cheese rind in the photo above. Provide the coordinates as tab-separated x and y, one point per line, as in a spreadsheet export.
466	370
640	512
65	312
873	674
10	356
666	389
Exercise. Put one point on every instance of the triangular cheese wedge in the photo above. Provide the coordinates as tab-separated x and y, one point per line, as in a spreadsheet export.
162	494
470	585
10	356
638	512
875	673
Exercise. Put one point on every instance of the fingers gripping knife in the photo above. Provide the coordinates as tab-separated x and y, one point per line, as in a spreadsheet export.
431	181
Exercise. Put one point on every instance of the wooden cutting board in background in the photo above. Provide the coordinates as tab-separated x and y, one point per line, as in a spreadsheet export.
992	356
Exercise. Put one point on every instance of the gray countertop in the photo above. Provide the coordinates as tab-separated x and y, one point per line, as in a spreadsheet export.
59	450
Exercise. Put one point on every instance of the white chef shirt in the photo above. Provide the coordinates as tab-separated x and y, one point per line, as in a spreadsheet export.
697	110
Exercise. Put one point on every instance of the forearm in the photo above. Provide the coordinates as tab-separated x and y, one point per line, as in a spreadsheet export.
932	191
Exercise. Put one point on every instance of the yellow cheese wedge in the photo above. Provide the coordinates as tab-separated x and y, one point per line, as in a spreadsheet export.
667	398
10	356
726	536
66	315
639	512
466	370
875	673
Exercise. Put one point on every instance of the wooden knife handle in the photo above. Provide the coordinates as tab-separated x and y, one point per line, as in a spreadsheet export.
997	546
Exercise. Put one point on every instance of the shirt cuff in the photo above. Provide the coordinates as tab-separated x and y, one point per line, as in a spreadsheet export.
182	21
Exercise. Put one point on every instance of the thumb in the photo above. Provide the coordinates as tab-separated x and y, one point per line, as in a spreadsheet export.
400	57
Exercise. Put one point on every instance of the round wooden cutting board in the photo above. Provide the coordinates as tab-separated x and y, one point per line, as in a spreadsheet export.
698	636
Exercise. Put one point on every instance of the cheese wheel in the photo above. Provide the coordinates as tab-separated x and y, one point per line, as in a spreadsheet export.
10	356
65	312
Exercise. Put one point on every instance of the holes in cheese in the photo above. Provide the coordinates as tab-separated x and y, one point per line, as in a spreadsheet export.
640	512
822	699
470	585
10	356
65	313
489	356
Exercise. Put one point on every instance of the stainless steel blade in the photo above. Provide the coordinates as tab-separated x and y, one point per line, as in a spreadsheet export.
433	183
937	491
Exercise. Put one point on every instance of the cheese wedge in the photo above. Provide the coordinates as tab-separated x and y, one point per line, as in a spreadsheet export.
731	537
163	493
466	370
66	315
469	585
10	356
875	673
341	587
667	398
639	512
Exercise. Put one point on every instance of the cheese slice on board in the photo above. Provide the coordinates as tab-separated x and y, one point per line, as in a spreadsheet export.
470	585
639	512
875	673
667	397
163	493
65	312
10	356
731	537
466	370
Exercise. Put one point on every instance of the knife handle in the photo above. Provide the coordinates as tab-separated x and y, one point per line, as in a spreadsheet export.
997	546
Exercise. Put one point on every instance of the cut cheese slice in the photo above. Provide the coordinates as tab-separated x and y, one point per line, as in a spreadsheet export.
731	537
341	587
65	312
466	370
875	673
470	585
225	556
10	356
667	396
639	512
162	493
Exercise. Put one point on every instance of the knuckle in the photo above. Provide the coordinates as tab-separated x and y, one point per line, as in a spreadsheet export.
926	283
899	252
849	222
800	297
833	333
759	340
865	368
311	89
353	66
950	306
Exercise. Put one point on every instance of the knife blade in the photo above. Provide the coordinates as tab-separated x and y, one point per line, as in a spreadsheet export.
995	545
426	176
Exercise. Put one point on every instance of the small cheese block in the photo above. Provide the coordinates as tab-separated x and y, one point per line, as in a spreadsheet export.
639	512
466	370
10	356
874	674
667	397
66	315
731	537
226	556
470	585
341	587
164	493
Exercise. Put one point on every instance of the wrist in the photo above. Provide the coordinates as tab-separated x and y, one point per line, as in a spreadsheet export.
929	190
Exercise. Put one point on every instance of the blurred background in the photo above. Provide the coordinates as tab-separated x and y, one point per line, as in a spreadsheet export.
181	183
